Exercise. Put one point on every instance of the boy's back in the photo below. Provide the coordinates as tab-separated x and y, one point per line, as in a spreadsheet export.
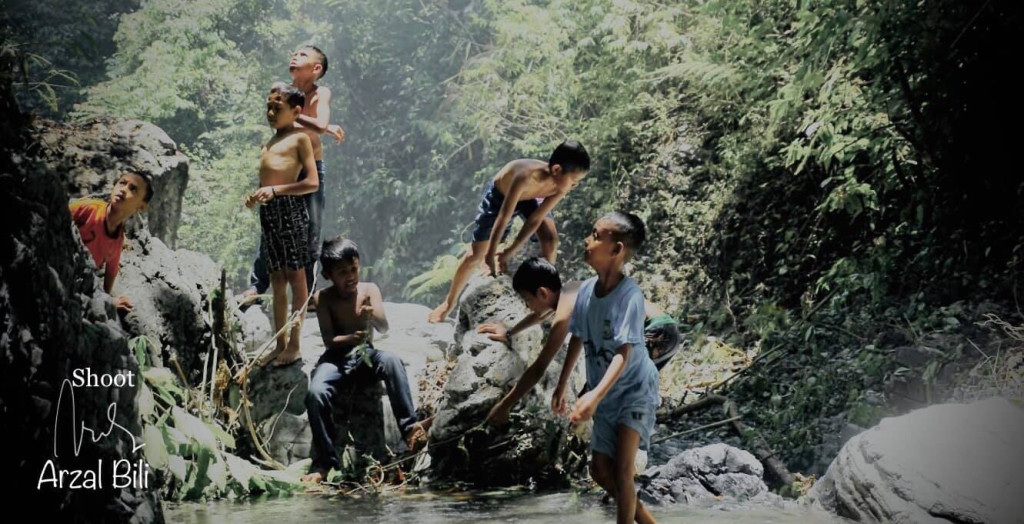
535	175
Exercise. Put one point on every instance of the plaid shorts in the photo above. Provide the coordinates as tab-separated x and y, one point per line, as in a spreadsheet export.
285	224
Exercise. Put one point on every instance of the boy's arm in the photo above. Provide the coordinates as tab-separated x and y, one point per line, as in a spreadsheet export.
380	319
321	108
533	374
499	333
531	225
558	398
585	406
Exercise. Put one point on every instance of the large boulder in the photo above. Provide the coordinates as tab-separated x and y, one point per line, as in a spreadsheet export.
56	319
171	292
706	475
90	155
944	463
537	446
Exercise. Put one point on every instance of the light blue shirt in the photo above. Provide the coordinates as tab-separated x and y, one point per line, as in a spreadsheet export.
607	323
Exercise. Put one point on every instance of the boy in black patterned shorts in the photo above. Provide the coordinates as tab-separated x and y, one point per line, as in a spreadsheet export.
283	216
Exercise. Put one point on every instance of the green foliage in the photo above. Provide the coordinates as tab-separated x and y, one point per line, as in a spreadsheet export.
190	455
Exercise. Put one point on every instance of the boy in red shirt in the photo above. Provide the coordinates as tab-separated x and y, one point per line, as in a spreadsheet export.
100	225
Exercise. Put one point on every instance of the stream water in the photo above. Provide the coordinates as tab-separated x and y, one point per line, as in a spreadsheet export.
430	508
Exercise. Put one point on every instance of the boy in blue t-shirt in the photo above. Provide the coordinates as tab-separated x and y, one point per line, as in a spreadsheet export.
608	320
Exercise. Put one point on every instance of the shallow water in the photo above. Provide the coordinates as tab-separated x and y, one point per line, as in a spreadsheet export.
429	508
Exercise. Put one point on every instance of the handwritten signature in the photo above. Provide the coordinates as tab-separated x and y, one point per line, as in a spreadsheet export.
77	437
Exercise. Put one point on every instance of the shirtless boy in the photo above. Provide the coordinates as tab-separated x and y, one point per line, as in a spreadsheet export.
283	214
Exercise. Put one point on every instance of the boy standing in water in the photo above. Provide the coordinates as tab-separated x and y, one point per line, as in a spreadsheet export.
101	225
307	66
524	187
538	283
283	215
348	312
608	319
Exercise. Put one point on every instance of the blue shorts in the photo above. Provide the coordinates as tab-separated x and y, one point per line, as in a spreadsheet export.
605	436
490	207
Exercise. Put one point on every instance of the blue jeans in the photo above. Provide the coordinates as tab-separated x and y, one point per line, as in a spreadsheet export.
259	277
335	370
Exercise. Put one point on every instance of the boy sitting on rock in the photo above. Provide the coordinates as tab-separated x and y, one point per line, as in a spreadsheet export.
608	318
100	225
348	312
538	283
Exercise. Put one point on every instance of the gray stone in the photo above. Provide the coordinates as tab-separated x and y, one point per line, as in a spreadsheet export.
707	475
55	319
944	463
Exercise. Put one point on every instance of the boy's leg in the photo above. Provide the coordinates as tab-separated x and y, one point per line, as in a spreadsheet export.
469	262
547	234
628	505
389	368
279	287
297	282
323	384
315	207
602	470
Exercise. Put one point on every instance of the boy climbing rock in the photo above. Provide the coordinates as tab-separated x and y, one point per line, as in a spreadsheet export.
283	215
527	188
101	225
538	283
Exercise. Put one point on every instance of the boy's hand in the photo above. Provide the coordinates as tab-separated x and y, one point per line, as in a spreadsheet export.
250	200
366	312
263	194
499	413
123	304
337	132
355	338
503	257
490	263
558	405
496	332
584	408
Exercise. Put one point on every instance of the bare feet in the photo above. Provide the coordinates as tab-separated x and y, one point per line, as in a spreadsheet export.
287	357
247	297
271	356
314	477
439	313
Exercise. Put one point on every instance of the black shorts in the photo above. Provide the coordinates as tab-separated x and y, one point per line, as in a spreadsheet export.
285	223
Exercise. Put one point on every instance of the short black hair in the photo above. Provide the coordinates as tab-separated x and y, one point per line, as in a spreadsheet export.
629	229
323	59
150	191
293	95
337	250
535	273
571	155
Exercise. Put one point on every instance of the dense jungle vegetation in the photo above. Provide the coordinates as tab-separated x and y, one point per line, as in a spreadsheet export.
828	180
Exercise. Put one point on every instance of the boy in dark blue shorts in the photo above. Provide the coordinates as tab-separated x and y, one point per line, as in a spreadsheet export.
608	320
529	189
